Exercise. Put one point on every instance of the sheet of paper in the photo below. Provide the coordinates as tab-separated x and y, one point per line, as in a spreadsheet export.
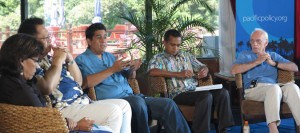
209	87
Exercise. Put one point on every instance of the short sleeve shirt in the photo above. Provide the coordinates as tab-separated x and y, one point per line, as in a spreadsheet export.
263	73
114	86
182	61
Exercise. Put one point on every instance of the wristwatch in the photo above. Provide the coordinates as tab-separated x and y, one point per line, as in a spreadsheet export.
70	63
276	64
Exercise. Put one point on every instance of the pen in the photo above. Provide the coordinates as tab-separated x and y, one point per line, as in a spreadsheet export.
95	125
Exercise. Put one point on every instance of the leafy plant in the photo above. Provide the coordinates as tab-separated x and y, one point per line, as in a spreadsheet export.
158	17
201	49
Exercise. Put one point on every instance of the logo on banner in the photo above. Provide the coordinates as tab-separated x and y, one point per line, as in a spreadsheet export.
270	16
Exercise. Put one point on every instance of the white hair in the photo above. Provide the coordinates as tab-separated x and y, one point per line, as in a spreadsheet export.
261	30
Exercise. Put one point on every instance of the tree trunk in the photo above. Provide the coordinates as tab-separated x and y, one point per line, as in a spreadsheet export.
149	32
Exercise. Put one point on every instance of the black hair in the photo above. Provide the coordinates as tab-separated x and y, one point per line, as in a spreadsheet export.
89	32
28	26
15	49
171	32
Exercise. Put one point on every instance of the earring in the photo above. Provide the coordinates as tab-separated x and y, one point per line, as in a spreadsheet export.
21	73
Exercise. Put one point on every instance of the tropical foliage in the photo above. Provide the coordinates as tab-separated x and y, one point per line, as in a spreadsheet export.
9	13
161	15
184	15
79	12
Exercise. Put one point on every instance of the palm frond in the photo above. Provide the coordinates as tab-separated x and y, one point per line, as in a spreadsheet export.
157	7
205	4
2	4
178	4
186	23
134	20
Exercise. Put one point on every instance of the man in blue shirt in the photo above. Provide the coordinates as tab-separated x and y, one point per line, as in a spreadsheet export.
260	68
108	75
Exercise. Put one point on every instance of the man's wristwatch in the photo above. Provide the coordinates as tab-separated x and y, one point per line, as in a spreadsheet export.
70	63
276	64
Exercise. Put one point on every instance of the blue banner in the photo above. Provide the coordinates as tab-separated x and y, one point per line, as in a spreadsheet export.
274	16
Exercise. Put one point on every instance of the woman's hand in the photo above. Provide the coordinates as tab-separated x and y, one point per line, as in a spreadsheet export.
71	124
85	124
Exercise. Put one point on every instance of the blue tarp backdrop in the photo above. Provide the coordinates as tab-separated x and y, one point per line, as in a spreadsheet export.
274	16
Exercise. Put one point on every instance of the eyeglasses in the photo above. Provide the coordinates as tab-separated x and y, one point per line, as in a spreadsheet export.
258	41
36	60
44	38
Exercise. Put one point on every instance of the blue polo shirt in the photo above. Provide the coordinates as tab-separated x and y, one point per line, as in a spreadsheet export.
263	73
114	86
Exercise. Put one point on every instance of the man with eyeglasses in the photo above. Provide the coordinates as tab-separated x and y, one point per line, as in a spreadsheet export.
60	77
259	68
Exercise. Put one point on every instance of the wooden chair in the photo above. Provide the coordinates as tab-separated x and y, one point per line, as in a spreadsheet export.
20	119
158	85
132	82
253	110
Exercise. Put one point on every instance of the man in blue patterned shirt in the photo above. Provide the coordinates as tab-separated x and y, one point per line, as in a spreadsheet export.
178	68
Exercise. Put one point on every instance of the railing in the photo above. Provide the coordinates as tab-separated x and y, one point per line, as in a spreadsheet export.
74	38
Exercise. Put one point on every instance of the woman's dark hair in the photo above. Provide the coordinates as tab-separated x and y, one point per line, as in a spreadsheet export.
15	49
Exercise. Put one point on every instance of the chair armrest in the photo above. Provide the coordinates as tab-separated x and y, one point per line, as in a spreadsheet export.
285	76
31	119
239	80
205	81
91	93
158	85
240	93
239	86
134	85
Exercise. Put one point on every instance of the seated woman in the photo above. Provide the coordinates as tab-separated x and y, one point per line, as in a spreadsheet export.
19	56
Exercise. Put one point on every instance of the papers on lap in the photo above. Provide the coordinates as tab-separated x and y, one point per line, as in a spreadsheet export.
209	87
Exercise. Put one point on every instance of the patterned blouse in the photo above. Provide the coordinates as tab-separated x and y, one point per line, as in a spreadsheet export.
182	61
68	90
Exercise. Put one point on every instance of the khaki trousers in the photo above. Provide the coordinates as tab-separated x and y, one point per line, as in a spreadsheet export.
271	95
112	113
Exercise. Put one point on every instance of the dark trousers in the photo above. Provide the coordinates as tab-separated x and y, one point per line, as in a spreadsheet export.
204	102
163	109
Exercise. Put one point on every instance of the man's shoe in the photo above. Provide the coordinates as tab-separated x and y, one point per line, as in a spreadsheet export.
224	130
